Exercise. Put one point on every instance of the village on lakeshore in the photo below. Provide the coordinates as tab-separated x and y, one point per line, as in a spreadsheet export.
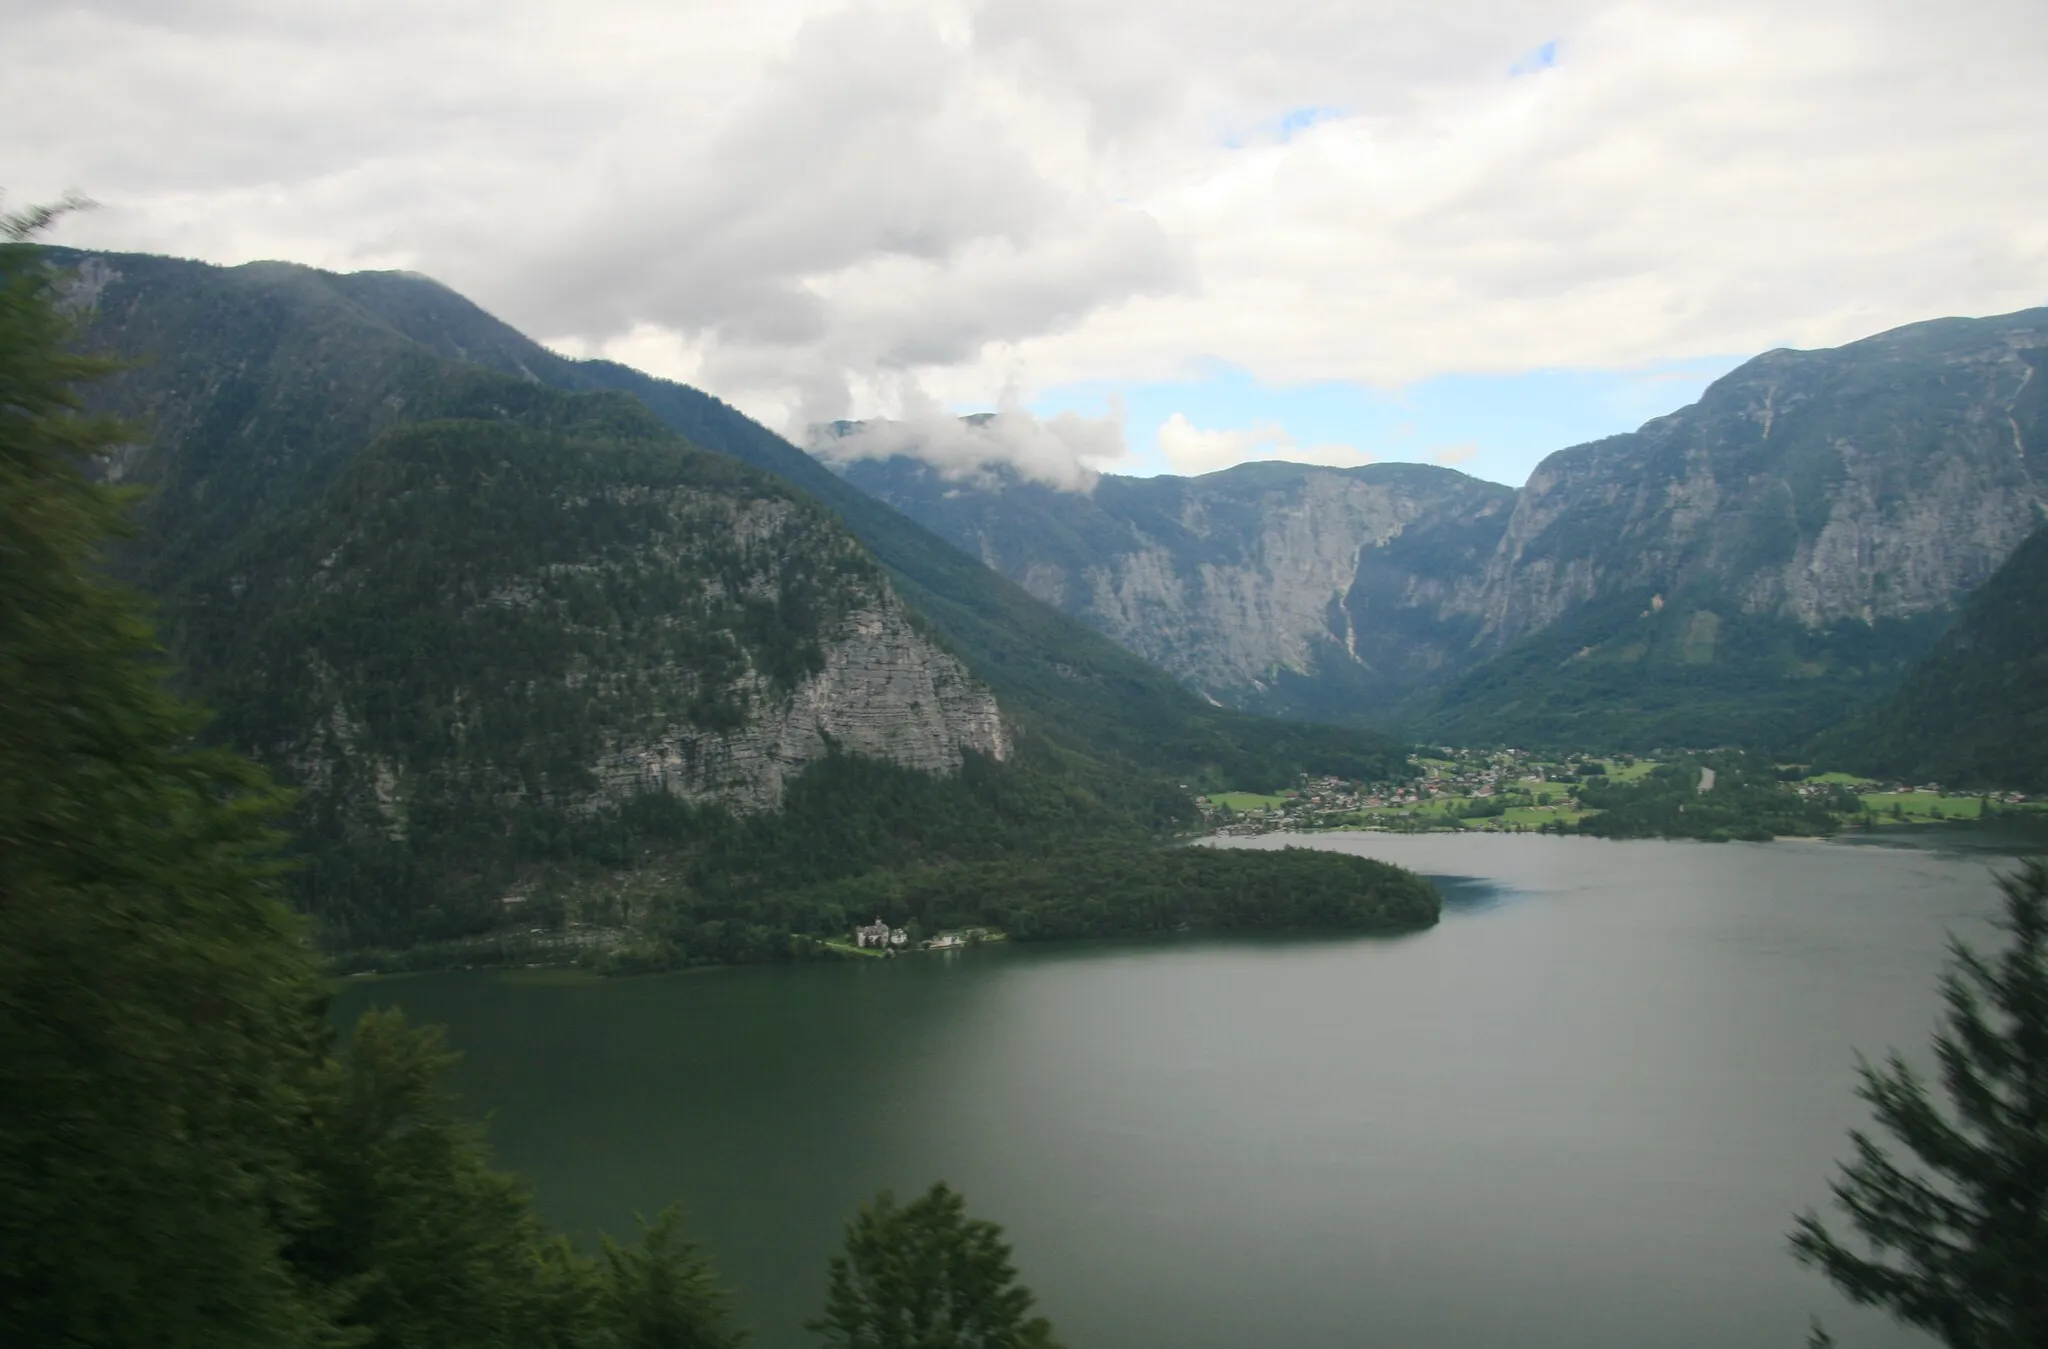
1520	791
880	939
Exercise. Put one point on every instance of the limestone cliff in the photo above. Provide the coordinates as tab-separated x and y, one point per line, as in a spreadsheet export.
1272	586
559	620
884	691
1881	480
1788	543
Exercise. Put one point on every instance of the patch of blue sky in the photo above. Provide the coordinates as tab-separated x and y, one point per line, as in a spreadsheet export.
1543	58
1491	426
1301	119
1289	125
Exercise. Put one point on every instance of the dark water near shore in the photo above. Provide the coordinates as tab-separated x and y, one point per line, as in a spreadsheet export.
1580	1113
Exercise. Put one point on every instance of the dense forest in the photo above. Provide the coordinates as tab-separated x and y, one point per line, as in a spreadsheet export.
1111	890
1675	800
1630	672
1975	712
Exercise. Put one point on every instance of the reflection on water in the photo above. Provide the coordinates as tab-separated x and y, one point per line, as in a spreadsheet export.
1579	1114
1470	894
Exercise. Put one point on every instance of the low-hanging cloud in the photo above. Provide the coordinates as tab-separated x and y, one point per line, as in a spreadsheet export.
1067	451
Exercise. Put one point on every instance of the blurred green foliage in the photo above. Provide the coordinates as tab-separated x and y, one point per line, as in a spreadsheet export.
186	1158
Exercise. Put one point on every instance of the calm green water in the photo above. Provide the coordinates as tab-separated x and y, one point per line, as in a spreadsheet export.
1580	1113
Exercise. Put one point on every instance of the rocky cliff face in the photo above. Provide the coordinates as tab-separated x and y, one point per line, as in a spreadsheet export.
1881	480
884	692
565	618
575	603
1794	538
1267	585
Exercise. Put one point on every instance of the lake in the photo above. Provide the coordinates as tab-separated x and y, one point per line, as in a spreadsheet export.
1579	1113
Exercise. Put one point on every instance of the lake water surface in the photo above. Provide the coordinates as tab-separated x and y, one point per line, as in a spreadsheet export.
1580	1113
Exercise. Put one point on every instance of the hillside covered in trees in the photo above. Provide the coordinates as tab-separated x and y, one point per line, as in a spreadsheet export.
1975	712
509	632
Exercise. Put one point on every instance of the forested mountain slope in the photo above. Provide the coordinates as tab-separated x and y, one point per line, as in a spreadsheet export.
504	635
1975	712
1285	588
256	380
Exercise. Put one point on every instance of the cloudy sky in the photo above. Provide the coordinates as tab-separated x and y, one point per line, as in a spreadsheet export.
1160	236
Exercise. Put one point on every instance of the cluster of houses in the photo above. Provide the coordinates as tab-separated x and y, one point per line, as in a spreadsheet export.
878	935
1474	774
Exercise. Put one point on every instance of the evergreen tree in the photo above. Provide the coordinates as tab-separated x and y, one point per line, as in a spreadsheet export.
926	1276
664	1295
157	1006
1958	1246
419	1240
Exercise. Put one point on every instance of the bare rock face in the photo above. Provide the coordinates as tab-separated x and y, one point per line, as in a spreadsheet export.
1242	581
885	692
1884	479
1874	484
491	617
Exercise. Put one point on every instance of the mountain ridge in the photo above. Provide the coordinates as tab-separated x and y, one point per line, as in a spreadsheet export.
1057	676
1791	542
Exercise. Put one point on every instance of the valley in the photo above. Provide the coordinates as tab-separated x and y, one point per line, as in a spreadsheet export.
572	664
914	675
1516	792
1745	570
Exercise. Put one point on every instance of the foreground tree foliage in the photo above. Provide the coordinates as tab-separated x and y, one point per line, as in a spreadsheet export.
185	1157
155	1003
1958	1246
924	1275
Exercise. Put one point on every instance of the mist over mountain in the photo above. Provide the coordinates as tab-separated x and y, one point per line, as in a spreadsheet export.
1740	571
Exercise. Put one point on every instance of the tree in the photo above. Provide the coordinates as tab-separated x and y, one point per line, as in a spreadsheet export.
664	1295
926	1276
418	1240
156	1002
1958	1246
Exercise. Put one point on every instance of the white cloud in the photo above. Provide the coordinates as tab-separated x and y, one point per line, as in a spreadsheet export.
803	205
1067	451
1191	450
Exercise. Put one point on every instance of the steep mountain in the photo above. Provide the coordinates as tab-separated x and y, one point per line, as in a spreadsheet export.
1975	712
1745	569
1740	571
510	639
1282	588
257	381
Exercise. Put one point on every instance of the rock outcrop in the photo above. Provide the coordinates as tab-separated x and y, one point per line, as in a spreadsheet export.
1881	480
1271	586
1810	521
885	692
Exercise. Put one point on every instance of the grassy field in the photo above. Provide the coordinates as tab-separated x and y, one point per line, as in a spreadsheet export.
1630	772
1531	816
1922	806
1244	801
1842	779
